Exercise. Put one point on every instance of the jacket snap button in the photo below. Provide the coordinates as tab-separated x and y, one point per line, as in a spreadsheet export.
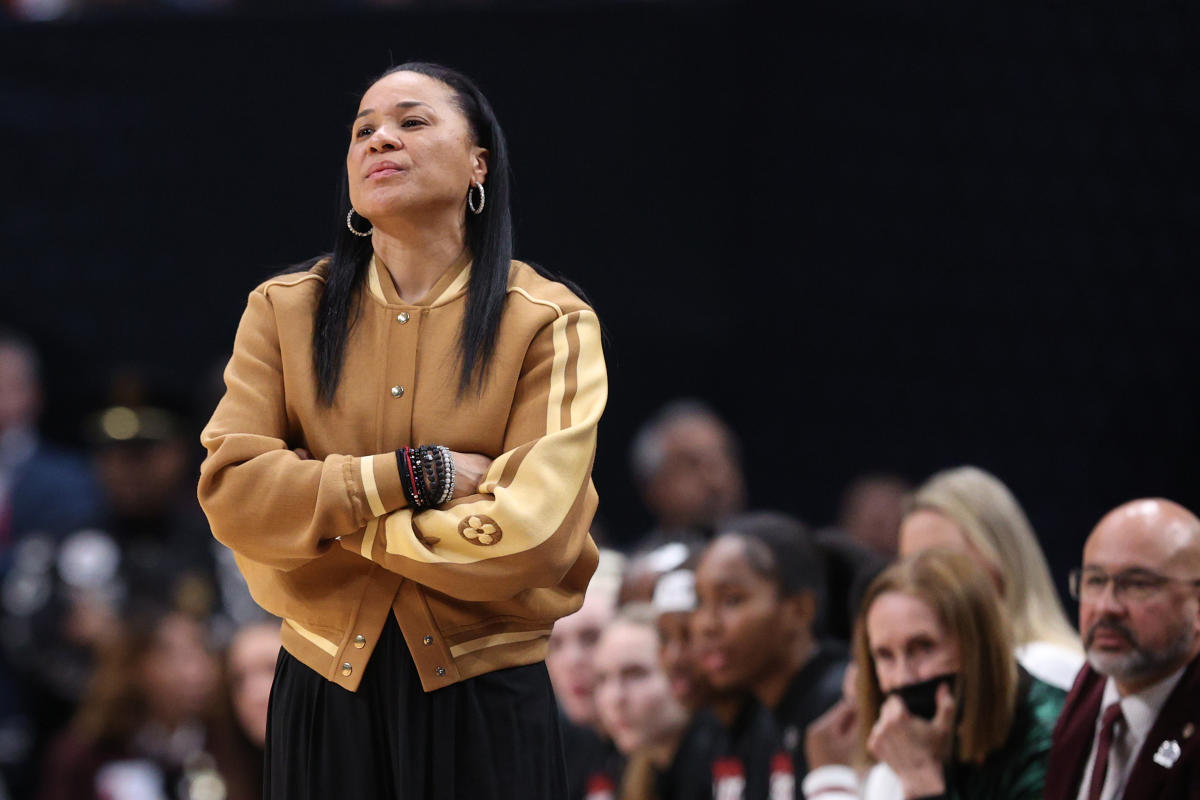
441	672
397	391
428	640
402	317
360	641
347	668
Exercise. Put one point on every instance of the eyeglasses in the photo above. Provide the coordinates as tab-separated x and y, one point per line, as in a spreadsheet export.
1134	585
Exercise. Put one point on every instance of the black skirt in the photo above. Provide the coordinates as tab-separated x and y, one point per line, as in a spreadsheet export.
492	737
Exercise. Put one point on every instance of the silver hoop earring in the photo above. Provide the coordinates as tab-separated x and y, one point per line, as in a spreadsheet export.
482	198
350	214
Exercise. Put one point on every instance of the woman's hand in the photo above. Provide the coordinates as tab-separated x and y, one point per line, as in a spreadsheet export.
913	748
831	737
469	469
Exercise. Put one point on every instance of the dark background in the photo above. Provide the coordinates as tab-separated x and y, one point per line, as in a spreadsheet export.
875	236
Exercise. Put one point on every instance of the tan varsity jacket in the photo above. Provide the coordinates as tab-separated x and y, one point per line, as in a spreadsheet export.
329	545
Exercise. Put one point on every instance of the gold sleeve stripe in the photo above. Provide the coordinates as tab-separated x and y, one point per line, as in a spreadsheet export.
557	308
558	369
320	641
367	469
373	280
369	537
491	641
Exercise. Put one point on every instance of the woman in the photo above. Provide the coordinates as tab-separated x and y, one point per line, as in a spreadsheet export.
942	705
402	463
758	590
636	706
969	510
151	724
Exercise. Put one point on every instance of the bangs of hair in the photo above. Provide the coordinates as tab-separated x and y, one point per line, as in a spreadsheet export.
964	601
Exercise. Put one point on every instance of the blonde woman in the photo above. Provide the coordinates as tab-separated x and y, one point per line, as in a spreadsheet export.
970	510
940	706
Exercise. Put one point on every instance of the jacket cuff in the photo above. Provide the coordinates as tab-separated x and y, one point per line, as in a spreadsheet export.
380	478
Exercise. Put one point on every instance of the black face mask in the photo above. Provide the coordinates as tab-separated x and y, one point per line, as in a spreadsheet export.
921	698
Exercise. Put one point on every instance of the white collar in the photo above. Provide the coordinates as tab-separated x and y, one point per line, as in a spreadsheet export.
1142	708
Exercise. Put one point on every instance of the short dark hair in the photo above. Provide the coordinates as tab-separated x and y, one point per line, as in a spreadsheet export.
780	548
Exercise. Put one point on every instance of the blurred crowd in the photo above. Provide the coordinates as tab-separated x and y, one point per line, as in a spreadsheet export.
917	647
132	656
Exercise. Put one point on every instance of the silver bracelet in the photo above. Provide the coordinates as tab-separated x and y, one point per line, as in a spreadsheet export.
448	478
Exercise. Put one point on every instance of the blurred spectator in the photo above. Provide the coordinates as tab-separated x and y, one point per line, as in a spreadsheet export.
941	704
712	713
44	493
871	509
250	661
674	603
42	489
759	588
687	466
573	641
969	510
151	725
591	759
1136	705
250	670
143	446
634	702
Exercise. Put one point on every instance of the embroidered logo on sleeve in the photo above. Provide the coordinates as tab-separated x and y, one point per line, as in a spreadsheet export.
481	530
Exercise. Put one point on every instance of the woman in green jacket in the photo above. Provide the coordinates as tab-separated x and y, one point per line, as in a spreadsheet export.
941	708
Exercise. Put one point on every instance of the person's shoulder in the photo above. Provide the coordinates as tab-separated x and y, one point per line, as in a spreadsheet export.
531	286
1045	701
302	281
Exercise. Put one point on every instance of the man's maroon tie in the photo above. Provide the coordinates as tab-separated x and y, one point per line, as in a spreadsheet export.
1112	718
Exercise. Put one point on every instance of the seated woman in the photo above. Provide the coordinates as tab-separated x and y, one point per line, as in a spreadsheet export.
636	707
759	588
943	709
969	510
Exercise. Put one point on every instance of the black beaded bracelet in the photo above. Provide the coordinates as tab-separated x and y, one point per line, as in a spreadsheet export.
410	482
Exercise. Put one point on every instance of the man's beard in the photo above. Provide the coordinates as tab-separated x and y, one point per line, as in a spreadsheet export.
1140	661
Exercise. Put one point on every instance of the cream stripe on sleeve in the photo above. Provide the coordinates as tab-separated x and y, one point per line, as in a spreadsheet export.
367	469
369	538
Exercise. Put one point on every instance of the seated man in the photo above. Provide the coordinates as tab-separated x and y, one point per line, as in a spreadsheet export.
1129	728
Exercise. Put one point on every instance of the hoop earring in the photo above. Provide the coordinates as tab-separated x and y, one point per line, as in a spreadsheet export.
482	198
350	214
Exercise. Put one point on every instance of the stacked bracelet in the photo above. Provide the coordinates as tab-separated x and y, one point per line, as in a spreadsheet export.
426	475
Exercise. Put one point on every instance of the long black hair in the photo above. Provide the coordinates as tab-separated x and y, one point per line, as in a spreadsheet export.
489	238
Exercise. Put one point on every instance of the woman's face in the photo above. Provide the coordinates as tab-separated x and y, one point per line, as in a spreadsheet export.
179	671
633	697
739	625
569	658
252	656
411	150
678	657
908	642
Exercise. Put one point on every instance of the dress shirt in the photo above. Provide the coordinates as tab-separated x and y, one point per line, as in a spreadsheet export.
1140	711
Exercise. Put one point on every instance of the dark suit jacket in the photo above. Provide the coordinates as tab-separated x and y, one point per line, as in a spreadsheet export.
1179	722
